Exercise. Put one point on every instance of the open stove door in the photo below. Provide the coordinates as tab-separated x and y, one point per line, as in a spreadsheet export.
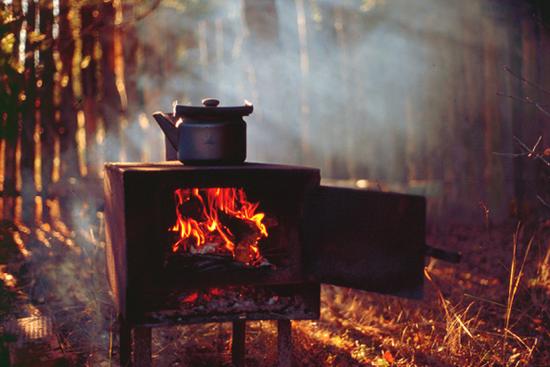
367	240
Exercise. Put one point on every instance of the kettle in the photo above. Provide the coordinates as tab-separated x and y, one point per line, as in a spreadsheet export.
206	134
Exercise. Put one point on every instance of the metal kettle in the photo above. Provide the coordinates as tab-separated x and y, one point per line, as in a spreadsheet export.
206	134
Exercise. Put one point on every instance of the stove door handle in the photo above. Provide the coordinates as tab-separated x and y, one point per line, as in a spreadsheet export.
445	255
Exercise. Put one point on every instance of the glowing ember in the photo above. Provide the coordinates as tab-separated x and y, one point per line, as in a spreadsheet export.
191	298
216	291
219	221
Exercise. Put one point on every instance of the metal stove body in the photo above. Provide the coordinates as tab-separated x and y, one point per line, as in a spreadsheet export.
373	241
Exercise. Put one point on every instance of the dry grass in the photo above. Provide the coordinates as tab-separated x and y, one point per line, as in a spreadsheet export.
480	313
493	309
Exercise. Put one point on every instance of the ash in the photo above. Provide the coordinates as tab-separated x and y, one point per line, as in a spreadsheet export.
234	302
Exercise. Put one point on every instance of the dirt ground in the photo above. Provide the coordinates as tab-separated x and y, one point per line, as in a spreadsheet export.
492	309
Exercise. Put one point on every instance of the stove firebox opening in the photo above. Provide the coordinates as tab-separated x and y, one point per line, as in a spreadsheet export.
220	224
192	243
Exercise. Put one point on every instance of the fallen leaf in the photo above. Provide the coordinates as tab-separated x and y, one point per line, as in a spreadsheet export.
388	357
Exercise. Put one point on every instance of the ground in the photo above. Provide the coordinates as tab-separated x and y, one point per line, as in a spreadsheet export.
492	309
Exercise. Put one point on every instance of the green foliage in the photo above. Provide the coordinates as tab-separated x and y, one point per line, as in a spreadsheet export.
10	74
9	252
7	35
7	299
8	248
7	43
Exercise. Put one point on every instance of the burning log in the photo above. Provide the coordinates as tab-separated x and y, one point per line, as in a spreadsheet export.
219	221
210	263
246	235
191	208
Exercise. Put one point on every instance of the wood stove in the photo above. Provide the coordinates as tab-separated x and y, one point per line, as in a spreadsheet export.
190	244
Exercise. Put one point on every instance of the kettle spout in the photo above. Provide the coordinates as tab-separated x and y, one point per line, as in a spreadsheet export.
168	127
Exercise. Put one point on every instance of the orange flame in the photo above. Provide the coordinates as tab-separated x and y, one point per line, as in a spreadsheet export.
218	220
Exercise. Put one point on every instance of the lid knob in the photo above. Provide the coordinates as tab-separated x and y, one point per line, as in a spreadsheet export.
210	102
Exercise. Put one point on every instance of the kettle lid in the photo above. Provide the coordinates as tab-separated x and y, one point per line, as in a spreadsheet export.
210	110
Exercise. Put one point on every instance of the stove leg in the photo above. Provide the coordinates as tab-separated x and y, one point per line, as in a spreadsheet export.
142	347
284	343
125	342
238	343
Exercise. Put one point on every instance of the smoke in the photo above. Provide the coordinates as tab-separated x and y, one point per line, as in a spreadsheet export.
398	92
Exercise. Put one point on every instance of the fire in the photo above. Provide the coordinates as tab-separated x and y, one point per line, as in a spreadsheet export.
218	221
202	295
